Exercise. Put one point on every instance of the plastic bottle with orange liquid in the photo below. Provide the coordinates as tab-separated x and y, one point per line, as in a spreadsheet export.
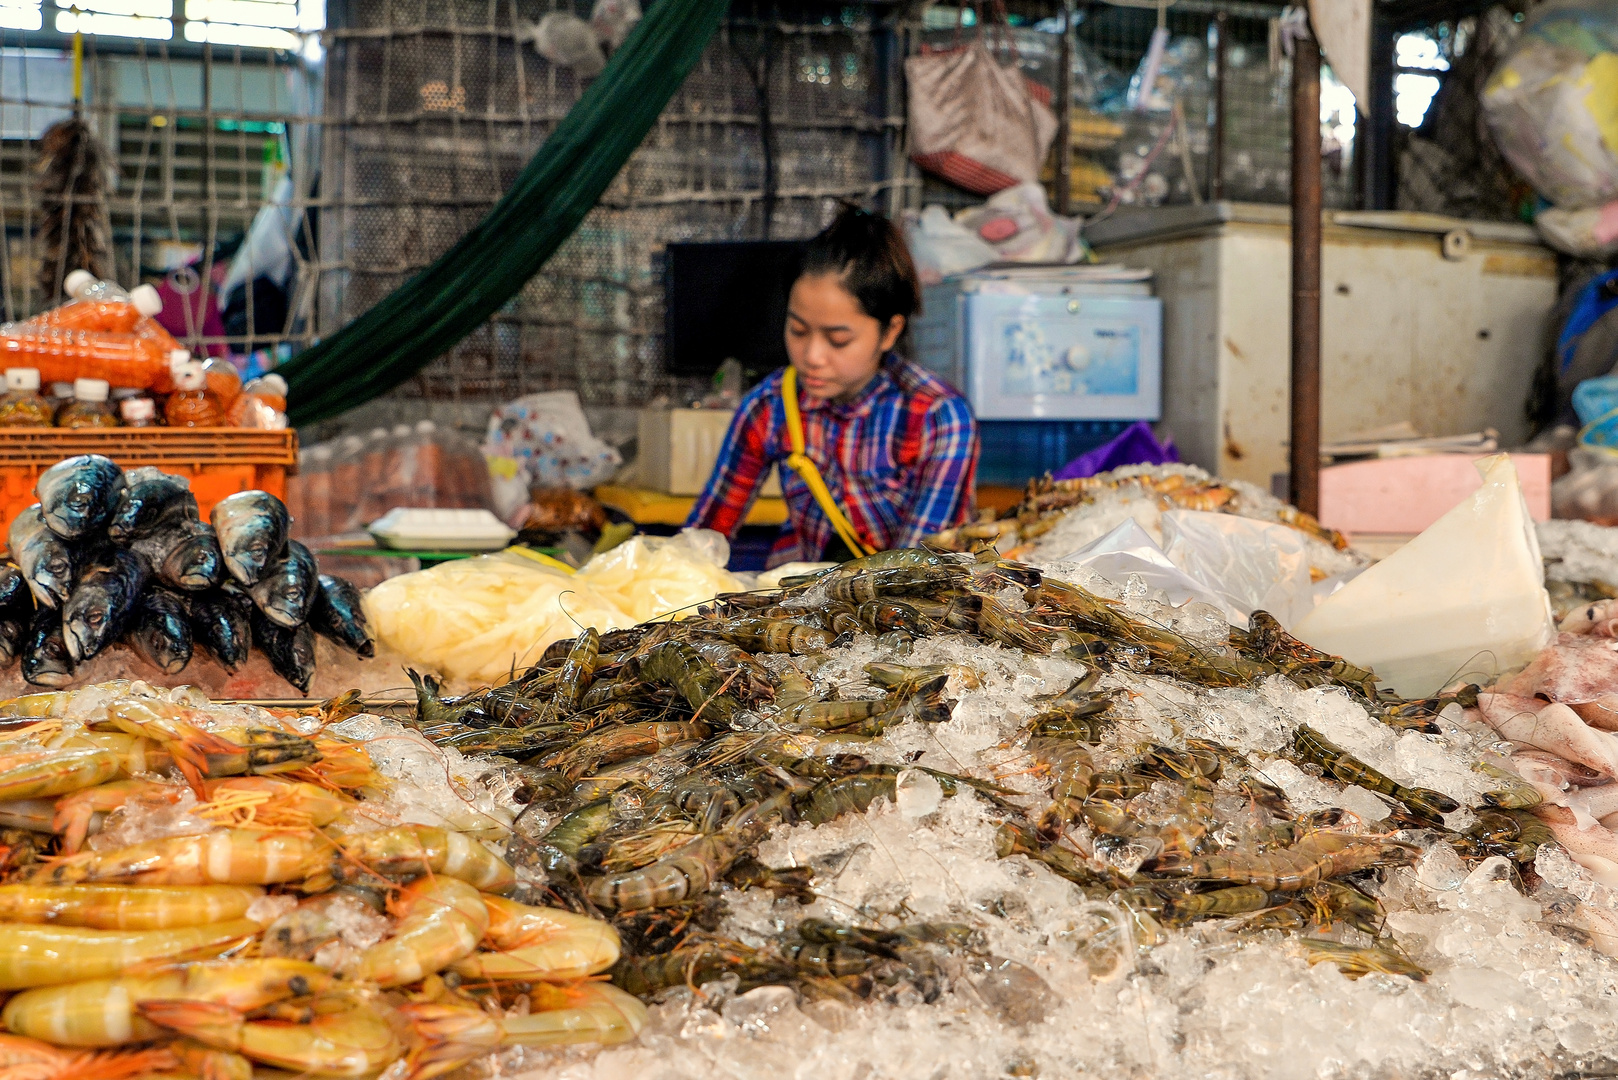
100	305
191	405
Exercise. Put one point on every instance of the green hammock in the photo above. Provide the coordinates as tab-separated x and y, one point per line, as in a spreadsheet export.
427	315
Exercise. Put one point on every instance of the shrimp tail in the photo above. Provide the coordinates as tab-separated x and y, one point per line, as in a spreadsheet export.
22	1058
214	1025
446	1037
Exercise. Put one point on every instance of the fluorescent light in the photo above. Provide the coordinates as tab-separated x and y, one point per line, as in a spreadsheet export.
311	15
90	22
255	37
245	12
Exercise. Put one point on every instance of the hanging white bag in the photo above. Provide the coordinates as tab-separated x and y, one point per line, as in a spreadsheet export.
974	122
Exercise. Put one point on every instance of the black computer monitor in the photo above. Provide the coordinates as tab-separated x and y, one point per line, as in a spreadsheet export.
728	299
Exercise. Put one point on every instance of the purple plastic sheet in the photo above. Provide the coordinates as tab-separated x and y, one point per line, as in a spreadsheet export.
1135	445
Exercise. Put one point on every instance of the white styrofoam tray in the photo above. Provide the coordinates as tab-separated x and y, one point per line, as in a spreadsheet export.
418	529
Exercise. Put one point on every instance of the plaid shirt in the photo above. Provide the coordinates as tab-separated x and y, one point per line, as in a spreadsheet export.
900	459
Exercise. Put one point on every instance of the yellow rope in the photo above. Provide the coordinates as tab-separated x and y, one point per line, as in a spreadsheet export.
810	474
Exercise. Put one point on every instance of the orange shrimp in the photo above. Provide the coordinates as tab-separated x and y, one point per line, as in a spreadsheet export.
22	1058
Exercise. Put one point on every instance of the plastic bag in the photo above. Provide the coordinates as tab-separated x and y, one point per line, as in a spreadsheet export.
650	577
1589	233
1129	550
612	20
1589	490
942	247
550	439
479	620
1550	103
1465	599
1018	222
1251	565
569	41
975	122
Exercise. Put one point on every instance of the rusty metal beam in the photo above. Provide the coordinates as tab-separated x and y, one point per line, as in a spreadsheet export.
1305	391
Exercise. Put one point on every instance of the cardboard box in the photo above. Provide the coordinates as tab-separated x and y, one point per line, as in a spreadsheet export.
678	448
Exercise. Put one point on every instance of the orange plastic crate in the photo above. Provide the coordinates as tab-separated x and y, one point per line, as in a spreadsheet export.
217	461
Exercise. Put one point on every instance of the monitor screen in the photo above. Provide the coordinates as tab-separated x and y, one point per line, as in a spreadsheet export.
728	299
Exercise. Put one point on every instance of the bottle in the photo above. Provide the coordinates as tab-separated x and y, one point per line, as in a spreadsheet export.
138	412
62	355
22	405
430	485
191	405
373	499
100	305
315	470
223	382
262	404
89	407
346	483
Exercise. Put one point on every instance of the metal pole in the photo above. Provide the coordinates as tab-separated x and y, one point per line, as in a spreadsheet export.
1305	443
1064	115
1216	146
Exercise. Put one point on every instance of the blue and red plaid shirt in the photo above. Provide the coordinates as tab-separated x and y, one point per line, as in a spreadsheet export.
900	459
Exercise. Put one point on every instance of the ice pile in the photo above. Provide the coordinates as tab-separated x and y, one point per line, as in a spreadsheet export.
1062	989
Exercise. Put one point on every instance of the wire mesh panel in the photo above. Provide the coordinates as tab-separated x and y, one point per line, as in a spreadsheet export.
434	108
198	138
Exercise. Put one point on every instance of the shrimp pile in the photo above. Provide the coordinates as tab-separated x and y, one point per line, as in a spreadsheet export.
1046	502
655	761
191	890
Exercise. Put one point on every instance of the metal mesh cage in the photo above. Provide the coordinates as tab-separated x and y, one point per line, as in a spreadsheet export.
432	113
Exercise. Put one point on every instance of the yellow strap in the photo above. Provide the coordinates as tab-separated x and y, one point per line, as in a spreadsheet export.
810	474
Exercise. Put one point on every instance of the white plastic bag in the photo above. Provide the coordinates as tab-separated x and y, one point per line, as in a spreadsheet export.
974	121
1020	225
612	20
569	41
1549	103
942	247
1589	233
1129	550
1466	598
1251	565
549	438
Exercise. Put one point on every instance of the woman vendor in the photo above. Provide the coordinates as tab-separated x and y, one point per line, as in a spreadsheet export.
886	452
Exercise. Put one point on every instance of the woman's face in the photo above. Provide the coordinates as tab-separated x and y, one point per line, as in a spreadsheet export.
835	346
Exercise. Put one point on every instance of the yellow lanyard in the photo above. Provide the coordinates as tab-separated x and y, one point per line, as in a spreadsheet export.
810	474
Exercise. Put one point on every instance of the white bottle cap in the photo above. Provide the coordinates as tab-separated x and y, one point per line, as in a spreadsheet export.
379	433
190	376
178	358
273	383
77	281
22	378
401	431
425	427
136	409
94	390
146	299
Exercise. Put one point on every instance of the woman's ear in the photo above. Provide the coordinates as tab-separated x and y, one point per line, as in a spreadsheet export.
890	336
